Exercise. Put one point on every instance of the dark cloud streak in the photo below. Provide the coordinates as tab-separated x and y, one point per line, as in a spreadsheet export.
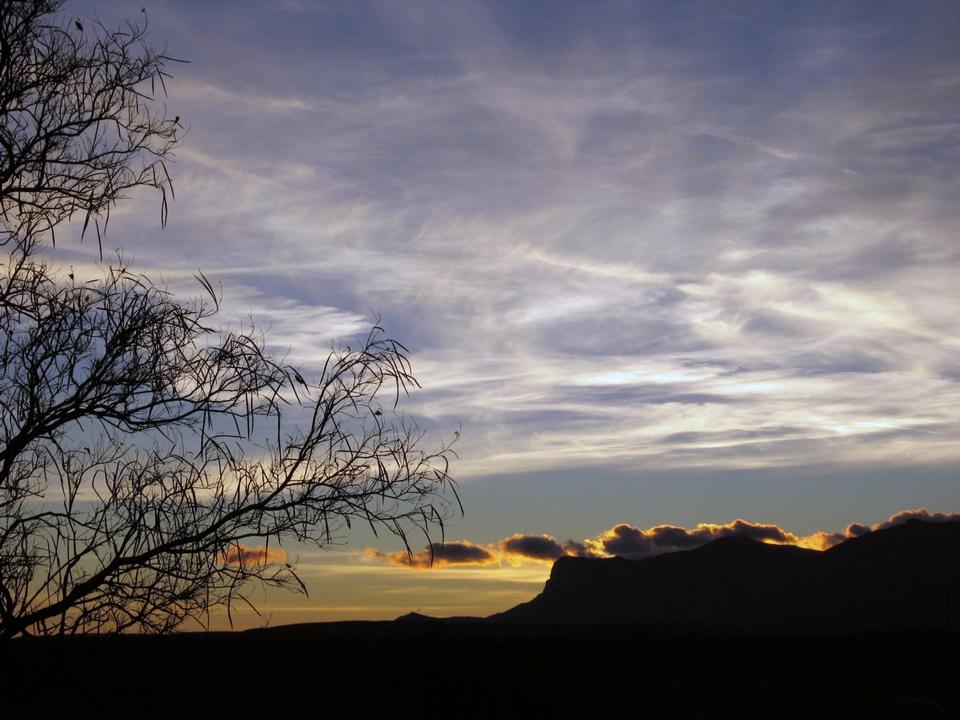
443	554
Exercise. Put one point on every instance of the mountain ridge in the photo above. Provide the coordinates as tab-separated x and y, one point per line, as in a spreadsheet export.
902	577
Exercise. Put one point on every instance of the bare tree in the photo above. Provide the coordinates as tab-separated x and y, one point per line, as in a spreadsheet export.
152	464
80	125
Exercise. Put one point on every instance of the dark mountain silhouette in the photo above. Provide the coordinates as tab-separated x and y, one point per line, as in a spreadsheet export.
734	629
905	577
415	617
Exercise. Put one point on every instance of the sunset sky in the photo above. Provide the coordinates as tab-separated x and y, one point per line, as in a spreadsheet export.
662	263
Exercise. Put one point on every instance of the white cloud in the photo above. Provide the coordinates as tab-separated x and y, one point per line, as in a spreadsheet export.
629	253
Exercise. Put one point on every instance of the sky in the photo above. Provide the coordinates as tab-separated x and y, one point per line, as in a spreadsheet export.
660	263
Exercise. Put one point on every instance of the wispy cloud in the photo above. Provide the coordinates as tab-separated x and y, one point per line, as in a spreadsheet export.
612	239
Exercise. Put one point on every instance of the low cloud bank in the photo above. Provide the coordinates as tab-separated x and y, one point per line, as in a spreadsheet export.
634	543
438	555
539	547
856	530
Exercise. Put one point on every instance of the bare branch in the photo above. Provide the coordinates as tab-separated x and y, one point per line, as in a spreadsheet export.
80	125
136	487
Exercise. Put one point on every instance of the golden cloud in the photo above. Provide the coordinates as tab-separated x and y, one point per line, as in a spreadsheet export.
244	555
463	552
630	542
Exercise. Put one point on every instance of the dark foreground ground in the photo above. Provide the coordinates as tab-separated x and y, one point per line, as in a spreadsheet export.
358	670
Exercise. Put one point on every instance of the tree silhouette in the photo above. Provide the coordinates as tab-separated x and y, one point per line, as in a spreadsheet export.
149	468
80	124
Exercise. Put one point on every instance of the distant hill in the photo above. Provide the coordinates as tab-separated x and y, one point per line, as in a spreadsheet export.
900	578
